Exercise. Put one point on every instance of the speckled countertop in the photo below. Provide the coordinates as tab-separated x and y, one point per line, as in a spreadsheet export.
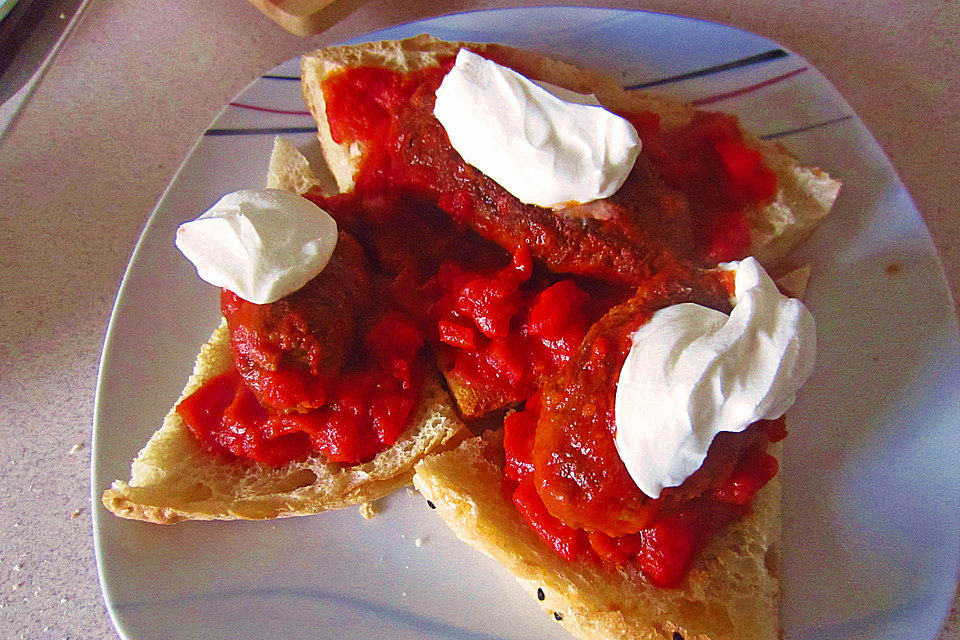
124	101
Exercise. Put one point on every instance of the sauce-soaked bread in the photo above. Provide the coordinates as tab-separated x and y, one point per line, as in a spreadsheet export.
804	194
731	593
174	479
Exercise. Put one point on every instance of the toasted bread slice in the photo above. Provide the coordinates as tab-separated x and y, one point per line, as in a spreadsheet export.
804	196
731	593
174	479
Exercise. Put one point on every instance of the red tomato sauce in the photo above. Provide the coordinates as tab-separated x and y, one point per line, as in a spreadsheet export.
353	416
506	330
503	292
710	163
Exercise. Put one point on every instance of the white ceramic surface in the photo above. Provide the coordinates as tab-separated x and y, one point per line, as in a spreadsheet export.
871	517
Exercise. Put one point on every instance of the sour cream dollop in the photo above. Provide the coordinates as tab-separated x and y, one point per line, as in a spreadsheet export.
693	372
262	244
544	150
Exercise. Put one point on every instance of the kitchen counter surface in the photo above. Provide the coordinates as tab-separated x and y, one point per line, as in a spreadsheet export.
123	102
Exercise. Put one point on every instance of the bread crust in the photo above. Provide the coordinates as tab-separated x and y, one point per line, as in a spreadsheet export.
731	593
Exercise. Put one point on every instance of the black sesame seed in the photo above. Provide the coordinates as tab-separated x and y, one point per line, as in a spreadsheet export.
540	595
431	505
677	635
557	616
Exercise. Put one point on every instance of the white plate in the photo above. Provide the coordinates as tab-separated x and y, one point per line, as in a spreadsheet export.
871	515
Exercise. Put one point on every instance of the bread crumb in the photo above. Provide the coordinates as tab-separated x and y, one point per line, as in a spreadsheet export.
76	514
418	542
411	491
368	510
75	448
17	567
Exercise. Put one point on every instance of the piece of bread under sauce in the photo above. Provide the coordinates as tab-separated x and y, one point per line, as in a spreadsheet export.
733	589
731	593
804	194
173	478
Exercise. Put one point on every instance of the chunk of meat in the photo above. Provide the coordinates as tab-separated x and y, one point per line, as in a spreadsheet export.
577	470
286	349
644	226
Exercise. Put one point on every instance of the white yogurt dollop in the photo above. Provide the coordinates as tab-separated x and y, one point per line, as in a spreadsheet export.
544	150
261	244
693	372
